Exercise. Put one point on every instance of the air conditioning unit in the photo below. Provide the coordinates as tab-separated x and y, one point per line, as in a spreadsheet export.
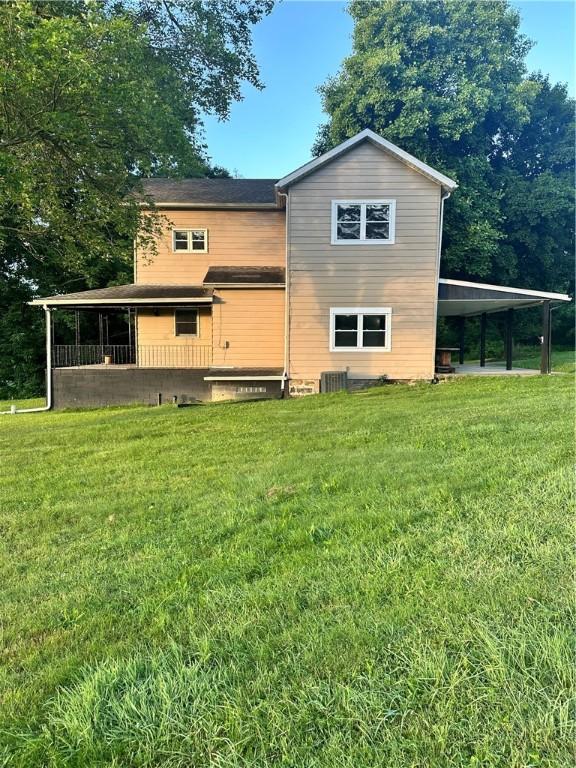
333	381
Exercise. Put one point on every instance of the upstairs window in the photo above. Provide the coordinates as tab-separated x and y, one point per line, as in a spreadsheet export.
367	222
186	322
357	329
190	240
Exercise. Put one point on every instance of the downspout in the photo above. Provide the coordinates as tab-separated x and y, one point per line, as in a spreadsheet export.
443	197
286	297
48	405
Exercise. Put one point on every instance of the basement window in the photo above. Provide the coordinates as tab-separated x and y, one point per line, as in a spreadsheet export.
366	222
186	322
360	329
190	240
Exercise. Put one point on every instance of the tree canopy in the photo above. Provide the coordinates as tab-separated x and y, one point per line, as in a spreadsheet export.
446	80
93	96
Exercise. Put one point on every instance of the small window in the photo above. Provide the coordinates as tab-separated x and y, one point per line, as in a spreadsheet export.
186	322
363	221
355	329
190	240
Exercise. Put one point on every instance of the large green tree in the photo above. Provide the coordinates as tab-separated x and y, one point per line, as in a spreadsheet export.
93	96
446	80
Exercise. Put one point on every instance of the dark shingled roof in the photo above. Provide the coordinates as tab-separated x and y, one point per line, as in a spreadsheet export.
212	191
245	275
127	293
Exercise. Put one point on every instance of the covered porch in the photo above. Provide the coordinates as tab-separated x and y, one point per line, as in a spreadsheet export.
463	300
111	357
102	327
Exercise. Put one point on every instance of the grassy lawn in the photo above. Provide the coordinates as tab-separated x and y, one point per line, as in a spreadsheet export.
377	579
563	360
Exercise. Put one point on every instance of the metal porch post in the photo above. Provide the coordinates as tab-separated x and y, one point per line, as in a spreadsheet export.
483	319
545	366
461	329
509	344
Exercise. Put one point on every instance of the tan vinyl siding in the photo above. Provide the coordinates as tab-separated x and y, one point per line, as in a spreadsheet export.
401	276
158	345
252	322
235	238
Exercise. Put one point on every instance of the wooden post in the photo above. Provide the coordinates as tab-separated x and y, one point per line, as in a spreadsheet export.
509	344
461	329
483	319
77	327
545	363
100	330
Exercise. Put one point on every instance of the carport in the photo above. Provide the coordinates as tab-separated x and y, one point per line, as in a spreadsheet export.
462	299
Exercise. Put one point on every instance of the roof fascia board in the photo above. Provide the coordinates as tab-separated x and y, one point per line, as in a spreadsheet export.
504	289
118	302
379	141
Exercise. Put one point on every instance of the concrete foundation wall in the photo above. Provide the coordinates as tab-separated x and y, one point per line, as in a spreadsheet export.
96	387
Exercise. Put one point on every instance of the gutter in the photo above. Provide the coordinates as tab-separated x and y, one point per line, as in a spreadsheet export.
48	406
211	206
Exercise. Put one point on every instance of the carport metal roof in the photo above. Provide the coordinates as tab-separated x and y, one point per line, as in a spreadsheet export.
460	298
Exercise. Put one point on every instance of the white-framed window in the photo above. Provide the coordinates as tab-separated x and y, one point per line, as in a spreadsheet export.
360	329
185	322
190	240
363	222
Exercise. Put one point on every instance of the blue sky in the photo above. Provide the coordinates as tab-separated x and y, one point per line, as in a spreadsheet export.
302	43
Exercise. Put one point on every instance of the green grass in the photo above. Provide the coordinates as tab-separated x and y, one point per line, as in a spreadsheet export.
563	359
377	579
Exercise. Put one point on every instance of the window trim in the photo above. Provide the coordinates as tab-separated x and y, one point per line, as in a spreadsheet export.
361	311
187	335
362	241
188	230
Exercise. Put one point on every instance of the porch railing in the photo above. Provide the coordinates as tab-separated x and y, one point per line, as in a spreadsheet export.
143	356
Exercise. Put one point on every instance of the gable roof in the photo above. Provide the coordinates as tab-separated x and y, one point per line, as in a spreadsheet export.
378	141
207	193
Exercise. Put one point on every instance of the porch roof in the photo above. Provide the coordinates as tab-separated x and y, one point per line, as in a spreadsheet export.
245	276
131	295
461	298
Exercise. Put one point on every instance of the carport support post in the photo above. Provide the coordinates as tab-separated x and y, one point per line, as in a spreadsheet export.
546	338
483	318
509	339
461	329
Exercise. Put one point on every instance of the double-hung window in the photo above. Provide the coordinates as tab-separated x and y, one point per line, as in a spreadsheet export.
360	329
186	322
366	222
190	240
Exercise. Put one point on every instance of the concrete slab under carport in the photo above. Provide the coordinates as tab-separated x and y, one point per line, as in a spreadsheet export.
490	369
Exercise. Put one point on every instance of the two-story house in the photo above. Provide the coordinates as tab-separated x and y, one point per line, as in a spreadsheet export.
269	288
